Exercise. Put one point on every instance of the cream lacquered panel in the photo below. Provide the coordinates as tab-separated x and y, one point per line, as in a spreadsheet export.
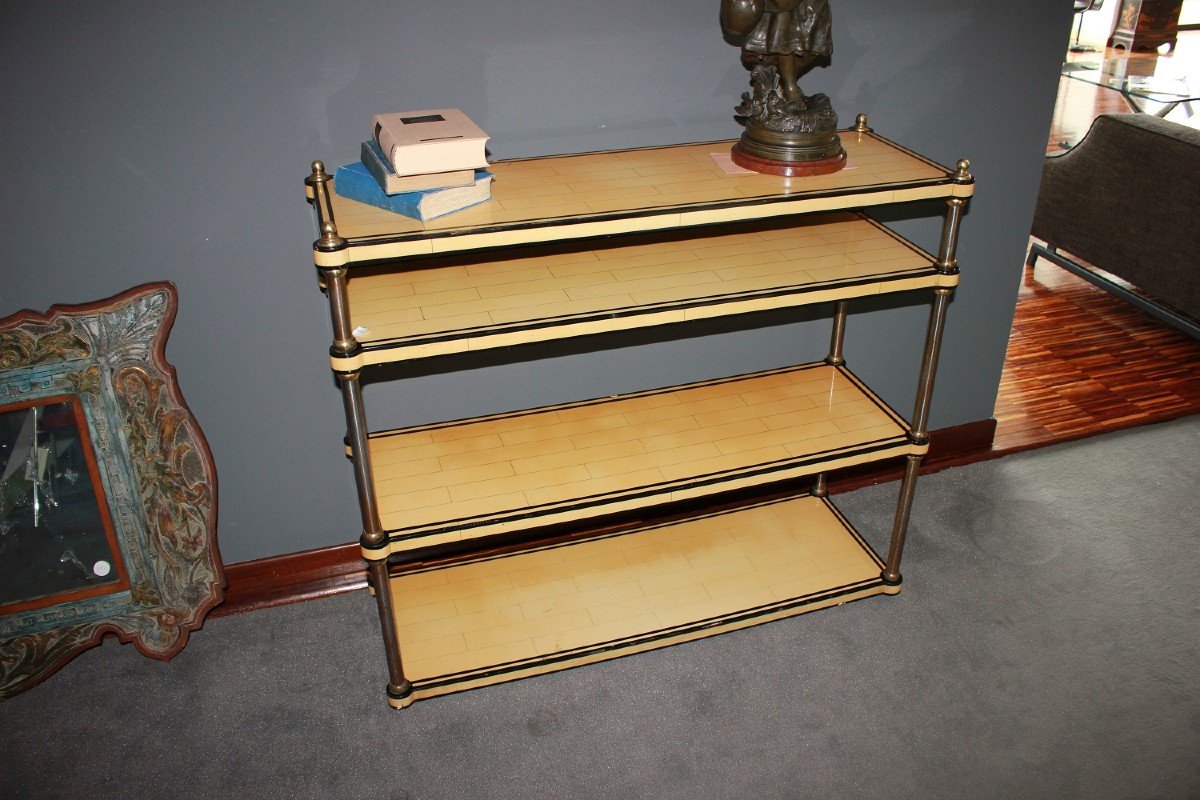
643	189
443	483
452	305
503	617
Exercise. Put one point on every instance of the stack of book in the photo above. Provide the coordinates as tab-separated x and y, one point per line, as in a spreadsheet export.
423	164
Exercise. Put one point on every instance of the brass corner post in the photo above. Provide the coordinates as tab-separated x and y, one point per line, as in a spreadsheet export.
835	358
929	360
838	336
335	280
948	265
891	571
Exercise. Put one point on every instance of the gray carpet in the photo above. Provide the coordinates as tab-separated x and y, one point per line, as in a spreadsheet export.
1045	645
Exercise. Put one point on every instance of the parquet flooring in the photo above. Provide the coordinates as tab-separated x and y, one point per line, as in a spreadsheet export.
1082	362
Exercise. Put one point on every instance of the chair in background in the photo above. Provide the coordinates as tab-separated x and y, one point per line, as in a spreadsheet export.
1081	8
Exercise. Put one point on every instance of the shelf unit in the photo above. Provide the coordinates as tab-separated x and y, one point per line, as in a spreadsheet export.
526	542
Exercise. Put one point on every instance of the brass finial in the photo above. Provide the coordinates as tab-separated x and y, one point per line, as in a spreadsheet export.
318	176
329	236
962	170
860	124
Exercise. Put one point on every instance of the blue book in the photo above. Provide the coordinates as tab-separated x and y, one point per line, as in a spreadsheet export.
355	182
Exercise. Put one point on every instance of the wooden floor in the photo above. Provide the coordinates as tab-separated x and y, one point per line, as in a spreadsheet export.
1080	361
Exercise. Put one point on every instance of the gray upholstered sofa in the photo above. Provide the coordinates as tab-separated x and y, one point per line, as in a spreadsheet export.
1126	199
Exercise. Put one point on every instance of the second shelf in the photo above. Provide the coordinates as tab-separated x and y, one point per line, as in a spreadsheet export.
447	482
455	304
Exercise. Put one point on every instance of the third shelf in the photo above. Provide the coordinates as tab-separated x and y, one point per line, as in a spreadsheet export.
452	481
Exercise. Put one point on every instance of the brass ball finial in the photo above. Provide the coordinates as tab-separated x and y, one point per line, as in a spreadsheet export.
860	123
962	169
329	236
318	170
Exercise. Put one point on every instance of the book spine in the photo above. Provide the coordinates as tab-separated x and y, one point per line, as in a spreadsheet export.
360	185
387	143
376	163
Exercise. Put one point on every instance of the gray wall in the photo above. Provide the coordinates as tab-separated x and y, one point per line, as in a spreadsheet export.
164	140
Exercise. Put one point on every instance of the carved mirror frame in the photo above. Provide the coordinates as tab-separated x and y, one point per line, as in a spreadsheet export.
152	470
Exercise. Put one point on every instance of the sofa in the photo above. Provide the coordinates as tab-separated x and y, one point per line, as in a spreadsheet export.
1126	200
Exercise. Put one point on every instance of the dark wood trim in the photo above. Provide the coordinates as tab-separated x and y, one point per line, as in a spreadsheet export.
311	574
290	578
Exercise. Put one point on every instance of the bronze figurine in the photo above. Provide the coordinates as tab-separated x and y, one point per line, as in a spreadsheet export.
787	132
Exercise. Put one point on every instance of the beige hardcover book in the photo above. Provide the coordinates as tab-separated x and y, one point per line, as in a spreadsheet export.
433	140
381	168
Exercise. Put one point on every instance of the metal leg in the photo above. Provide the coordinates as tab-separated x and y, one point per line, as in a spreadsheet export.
374	539
835	358
933	347
891	572
948	265
399	688
1156	310
1168	105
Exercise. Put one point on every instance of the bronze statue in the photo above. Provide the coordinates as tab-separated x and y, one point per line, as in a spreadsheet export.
787	132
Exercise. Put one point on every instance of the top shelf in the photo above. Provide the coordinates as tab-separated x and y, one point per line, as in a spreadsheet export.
627	191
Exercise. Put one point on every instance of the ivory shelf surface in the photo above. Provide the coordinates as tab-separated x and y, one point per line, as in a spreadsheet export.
460	303
624	191
502	617
448	482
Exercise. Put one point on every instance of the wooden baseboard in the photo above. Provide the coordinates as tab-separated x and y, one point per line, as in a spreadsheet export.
290	578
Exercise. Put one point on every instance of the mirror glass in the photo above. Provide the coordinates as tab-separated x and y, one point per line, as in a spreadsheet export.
56	540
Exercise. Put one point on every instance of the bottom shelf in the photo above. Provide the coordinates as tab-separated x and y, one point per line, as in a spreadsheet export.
502	617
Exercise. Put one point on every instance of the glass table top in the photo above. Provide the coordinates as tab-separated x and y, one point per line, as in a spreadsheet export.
1157	78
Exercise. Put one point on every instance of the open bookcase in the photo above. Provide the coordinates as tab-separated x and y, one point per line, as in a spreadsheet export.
526	542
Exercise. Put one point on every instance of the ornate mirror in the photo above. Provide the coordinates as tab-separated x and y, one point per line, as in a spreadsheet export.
107	487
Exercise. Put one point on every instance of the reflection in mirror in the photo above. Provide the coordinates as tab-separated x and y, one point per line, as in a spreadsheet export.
56	540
